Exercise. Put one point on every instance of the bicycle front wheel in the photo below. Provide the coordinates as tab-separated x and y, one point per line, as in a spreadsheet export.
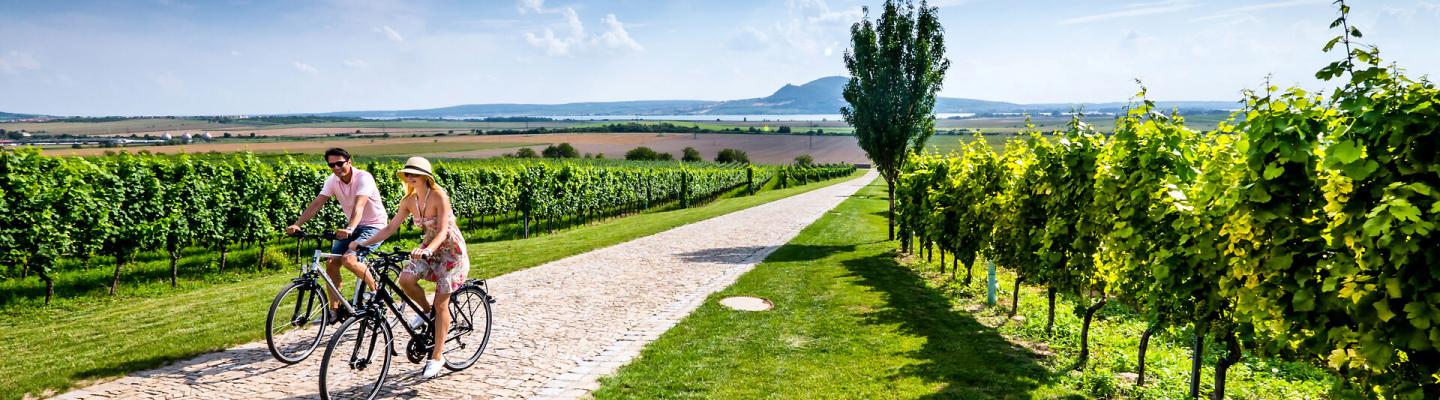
356	360
469	328
296	322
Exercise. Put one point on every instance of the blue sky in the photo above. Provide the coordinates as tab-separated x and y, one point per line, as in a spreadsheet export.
249	57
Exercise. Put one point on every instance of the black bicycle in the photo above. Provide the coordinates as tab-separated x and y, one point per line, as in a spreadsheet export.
298	316
357	359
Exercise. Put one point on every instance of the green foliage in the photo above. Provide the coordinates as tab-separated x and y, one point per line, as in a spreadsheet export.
1019	208
525	152
1071	233
641	153
691	155
1377	300
897	64
563	150
1307	229
56	208
1143	213
732	156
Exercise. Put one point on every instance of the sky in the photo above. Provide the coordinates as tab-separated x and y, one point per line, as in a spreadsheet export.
231	57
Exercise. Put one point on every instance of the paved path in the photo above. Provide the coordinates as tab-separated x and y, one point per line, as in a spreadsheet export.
558	327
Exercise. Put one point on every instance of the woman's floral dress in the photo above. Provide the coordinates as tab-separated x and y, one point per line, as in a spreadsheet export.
449	264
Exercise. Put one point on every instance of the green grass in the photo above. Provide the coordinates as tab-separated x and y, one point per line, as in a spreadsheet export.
848	323
1114	341
945	144
89	337
852	319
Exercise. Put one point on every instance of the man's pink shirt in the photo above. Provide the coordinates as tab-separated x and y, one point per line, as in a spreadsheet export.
361	184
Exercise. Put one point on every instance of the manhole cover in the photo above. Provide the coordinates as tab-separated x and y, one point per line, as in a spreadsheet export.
746	303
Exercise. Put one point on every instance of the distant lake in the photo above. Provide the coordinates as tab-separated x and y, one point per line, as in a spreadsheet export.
723	118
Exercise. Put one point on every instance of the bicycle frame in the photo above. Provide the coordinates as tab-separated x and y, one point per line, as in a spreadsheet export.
308	273
383	294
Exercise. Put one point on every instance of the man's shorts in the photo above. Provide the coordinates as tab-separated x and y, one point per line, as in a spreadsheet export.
361	233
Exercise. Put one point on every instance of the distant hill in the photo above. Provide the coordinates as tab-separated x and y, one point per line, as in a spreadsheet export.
644	107
4	116
820	96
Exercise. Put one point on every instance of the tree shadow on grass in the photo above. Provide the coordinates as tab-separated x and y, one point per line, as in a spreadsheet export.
970	359
751	254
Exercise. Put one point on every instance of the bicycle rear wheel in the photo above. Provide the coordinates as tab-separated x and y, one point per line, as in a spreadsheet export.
296	322
469	328
356	360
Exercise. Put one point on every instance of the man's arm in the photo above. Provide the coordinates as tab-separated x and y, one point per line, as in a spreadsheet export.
360	203
309	213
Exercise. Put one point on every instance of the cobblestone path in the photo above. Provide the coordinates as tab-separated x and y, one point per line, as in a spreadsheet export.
558	326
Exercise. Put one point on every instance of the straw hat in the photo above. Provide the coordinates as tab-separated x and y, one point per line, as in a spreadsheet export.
415	166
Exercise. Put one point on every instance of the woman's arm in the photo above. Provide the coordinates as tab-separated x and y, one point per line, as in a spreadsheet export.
401	212
442	223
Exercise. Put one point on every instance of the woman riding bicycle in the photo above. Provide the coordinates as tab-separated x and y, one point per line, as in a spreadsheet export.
441	256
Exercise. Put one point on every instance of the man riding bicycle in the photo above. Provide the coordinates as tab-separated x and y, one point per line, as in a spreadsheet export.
359	198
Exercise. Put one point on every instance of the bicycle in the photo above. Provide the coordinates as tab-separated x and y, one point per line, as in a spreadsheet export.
367	335
295	324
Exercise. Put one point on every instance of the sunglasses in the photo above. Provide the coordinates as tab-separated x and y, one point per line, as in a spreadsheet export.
337	164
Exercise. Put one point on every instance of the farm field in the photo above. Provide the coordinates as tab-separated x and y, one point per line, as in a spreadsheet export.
358	146
123	127
177	126
762	149
157	126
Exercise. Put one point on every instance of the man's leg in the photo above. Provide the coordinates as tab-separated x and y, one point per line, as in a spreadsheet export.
332	269
353	264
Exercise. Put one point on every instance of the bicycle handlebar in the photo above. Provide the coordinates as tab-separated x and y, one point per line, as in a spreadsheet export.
308	235
395	254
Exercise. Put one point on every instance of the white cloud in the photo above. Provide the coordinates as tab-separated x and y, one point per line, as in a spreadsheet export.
15	62
553	46
356	63
1248	11
572	19
306	68
615	37
817	11
530	5
1134	10
749	39
949	3
811	28
390	33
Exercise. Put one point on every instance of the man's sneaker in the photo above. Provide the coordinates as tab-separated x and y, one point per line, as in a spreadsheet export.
416	322
432	368
338	314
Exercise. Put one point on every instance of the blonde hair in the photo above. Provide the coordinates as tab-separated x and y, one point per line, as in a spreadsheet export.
429	182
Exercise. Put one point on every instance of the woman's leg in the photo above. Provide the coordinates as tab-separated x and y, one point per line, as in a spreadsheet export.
442	322
411	285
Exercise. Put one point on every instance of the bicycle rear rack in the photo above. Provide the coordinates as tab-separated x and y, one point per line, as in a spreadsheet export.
484	287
